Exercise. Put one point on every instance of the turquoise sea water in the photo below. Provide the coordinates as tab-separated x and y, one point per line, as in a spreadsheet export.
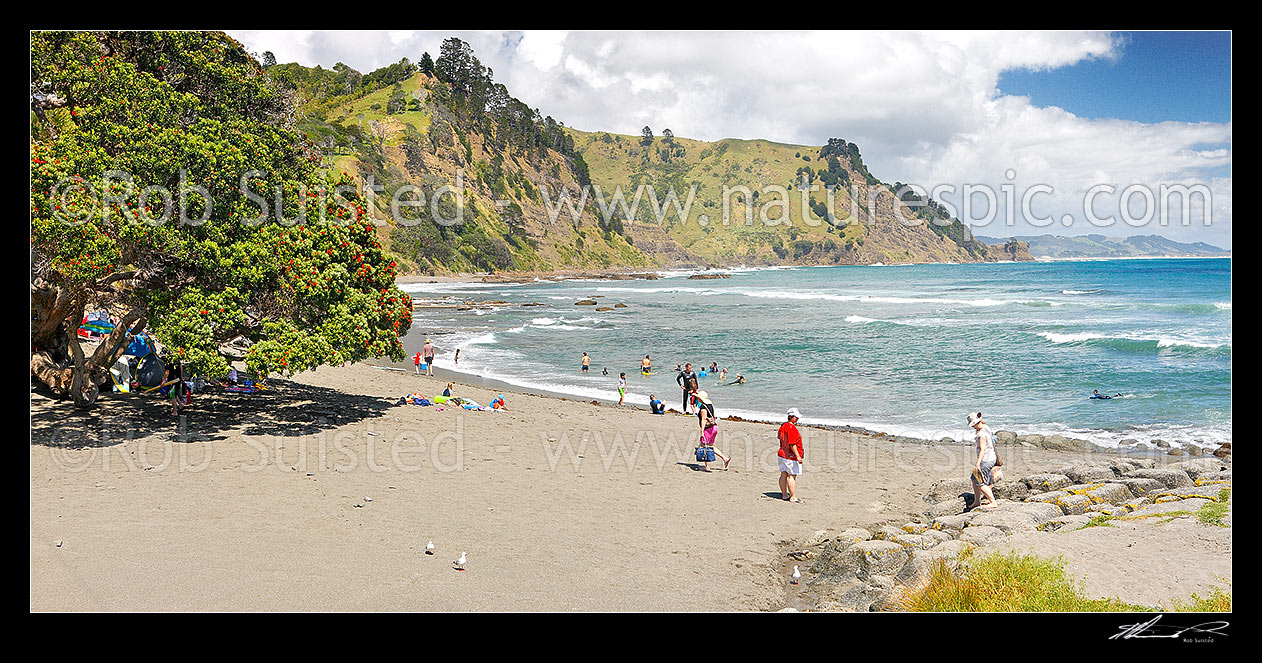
904	349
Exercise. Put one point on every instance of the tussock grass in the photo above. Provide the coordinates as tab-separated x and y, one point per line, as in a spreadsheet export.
1015	582
1009	582
1219	600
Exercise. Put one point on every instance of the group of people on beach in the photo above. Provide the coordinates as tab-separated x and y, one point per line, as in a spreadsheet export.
987	469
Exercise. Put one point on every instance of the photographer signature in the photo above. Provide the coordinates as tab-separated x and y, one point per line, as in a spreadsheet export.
1150	629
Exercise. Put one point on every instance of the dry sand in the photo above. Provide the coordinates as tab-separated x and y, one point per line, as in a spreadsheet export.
257	503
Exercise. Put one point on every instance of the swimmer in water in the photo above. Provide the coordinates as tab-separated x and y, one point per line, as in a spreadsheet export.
646	366
740	379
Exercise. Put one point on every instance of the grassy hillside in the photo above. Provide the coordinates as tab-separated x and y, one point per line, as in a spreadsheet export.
728	179
419	131
446	123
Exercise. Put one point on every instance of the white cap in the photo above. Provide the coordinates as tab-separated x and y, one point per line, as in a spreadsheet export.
793	412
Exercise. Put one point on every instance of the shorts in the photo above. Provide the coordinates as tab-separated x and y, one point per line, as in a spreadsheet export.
708	435
428	360
791	466
622	391
585	369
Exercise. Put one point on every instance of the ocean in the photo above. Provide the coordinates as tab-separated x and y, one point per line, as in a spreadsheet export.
904	349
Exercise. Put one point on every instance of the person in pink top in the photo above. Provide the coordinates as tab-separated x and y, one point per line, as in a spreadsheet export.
789	456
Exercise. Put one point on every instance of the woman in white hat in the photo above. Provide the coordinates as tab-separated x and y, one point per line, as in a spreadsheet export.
982	475
709	427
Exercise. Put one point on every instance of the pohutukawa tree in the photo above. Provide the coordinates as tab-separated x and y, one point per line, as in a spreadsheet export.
288	260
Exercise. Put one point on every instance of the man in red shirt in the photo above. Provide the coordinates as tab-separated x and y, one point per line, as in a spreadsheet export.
790	456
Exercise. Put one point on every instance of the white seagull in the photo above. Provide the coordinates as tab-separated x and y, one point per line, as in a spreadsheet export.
460	562
429	548
796	574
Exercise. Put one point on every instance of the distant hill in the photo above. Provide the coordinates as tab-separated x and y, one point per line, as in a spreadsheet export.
811	233
1100	246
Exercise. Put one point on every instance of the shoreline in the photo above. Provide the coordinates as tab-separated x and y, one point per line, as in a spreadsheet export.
1050	441
560	505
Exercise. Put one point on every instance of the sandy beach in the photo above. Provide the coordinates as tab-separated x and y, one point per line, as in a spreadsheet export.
261	503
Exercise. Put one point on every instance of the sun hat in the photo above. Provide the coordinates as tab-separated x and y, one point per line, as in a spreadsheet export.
974	417
703	397
793	412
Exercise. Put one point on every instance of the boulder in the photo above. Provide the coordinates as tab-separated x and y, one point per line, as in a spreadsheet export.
938	535
1213	477
980	535
869	558
945	489
1176	505
1074	504
954	522
1030	439
853	535
1047	481
949	507
1176	452
867	598
1223	451
1140	487
1040	511
1172	478
820	536
1193	450
1011	490
1064	523
1006	521
916	528
585	302
604	308
1137	502
1209	492
1108	509
1049	497
886	533
1109	493
1089	473
915	541
1160	444
1196	468
619	305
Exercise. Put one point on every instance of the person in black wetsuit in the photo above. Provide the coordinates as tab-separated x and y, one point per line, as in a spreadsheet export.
687	381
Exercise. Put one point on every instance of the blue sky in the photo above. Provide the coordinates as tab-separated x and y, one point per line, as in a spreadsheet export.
1154	77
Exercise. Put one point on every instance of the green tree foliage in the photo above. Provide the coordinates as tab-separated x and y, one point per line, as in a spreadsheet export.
647	134
427	64
177	109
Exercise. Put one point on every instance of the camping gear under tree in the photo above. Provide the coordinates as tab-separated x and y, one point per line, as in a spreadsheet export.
150	371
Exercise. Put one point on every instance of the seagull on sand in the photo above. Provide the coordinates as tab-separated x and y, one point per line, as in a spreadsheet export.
429	548
460	562
796	574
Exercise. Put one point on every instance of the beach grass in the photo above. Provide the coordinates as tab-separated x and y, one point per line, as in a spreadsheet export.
1219	600
1006	582
1015	582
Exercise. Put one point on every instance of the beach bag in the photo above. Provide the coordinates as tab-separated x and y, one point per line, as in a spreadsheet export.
705	454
